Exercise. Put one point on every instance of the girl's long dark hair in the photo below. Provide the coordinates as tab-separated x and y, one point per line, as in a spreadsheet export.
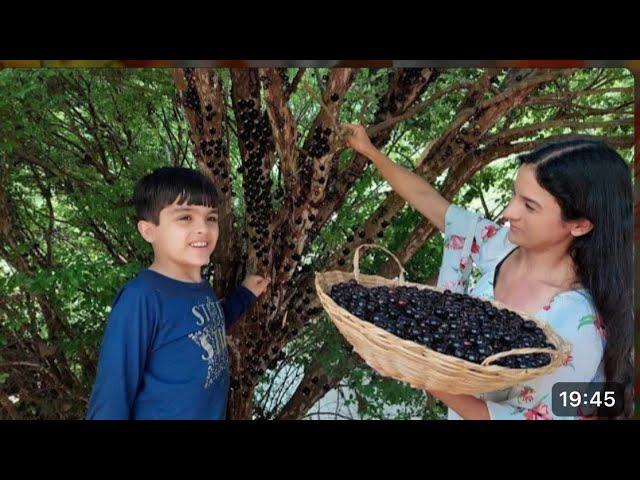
590	180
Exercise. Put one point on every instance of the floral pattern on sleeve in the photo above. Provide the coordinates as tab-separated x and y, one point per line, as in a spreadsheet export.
456	262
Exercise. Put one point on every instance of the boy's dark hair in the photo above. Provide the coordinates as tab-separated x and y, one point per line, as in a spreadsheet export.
165	185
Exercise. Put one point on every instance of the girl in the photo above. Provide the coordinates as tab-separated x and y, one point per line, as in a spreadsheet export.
565	258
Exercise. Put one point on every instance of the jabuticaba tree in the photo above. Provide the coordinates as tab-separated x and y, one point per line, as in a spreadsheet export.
294	200
480	132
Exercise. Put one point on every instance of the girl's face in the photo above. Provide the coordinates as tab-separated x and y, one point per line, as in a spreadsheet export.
535	217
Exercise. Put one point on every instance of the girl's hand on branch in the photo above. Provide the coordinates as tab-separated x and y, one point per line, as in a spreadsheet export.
357	139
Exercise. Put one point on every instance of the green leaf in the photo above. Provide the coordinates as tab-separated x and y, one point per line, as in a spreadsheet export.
586	320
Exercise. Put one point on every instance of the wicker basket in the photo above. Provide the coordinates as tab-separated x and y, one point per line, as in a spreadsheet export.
418	365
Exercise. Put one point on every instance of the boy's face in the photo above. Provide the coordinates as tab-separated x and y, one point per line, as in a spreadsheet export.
185	235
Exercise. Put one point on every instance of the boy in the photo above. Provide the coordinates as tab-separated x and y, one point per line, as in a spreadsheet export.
164	353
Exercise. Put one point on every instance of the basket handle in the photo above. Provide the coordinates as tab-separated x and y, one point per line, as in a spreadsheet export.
525	351
356	262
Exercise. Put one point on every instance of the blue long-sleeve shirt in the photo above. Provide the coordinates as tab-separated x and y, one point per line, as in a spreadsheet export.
164	353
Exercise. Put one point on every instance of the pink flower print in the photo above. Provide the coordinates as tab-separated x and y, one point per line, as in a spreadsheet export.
474	247
463	263
488	232
547	307
539	411
599	325
455	242
567	360
526	394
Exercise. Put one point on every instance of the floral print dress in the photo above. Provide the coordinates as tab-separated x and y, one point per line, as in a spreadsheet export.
470	238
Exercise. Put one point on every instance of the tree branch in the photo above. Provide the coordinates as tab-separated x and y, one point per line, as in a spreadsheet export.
393	121
201	92
311	389
555	98
398	99
294	83
515	133
283	127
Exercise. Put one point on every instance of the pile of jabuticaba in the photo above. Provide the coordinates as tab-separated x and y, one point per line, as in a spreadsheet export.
449	323
437	340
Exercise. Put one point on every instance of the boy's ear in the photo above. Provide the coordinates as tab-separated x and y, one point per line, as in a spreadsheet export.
147	230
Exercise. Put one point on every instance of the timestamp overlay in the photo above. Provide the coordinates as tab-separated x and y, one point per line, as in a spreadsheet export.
575	399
